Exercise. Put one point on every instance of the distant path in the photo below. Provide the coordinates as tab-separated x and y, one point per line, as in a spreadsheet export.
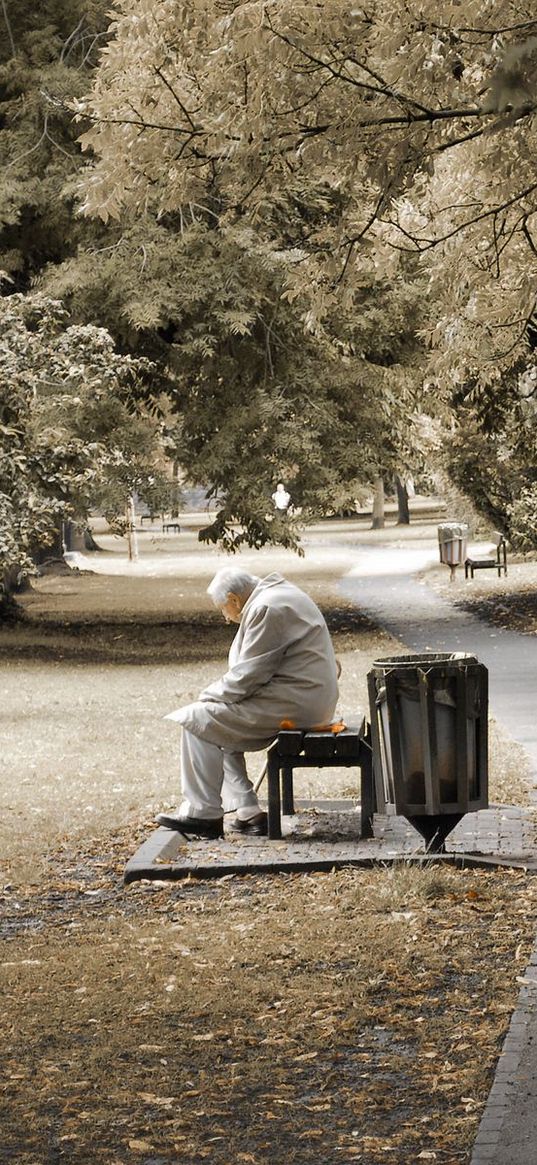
384	584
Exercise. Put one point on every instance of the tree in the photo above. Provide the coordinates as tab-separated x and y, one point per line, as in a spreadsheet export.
324	408
47	53
491	453
276	106
403	511
72	431
337	139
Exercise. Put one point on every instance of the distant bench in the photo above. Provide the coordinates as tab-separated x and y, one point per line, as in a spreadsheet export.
499	562
166	525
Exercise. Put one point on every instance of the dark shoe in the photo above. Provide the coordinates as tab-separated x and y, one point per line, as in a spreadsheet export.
255	826
200	826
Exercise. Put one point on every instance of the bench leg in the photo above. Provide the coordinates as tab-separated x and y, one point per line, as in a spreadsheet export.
288	803
367	791
274	806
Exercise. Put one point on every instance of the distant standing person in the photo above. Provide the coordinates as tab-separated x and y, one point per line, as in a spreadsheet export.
281	498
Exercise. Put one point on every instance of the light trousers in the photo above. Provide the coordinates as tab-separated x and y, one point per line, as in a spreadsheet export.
213	781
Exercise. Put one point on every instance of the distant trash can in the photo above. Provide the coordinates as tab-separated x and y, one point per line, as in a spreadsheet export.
453	543
429	728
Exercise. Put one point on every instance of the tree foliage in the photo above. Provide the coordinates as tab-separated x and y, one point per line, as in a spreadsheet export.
275	112
490	453
47	53
336	140
71	430
256	395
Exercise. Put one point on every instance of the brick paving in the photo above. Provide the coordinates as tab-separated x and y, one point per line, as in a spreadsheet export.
326	835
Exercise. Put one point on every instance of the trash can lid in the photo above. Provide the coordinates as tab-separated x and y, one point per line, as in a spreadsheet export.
449	530
426	659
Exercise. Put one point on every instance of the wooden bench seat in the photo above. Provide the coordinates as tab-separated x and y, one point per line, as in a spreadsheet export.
305	748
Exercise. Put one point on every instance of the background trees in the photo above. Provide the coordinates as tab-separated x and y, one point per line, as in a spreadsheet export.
338	139
316	222
257	396
72	433
47	56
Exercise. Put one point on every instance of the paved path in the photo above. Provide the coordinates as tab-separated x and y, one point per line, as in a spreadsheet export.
383	583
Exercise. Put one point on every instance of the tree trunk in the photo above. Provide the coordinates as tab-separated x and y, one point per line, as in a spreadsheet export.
89	540
403	512
378	505
176	491
73	536
132	540
78	536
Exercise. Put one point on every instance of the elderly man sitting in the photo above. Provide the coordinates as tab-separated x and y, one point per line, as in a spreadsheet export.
281	667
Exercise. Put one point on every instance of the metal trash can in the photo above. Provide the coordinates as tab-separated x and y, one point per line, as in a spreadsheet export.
429	728
453	544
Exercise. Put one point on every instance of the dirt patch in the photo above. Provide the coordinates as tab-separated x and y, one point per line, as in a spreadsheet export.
515	611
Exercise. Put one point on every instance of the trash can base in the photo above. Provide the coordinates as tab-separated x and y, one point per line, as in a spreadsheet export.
434	829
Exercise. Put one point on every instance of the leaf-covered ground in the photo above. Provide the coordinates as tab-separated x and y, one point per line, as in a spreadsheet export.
351	1016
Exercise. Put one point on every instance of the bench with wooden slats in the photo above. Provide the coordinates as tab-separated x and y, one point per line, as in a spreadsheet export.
499	562
306	748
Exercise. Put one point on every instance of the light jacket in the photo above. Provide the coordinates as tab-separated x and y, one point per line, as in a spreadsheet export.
281	667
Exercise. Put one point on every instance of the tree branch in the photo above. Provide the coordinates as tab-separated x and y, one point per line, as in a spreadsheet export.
70	38
177	129
526	233
518	339
175	96
351	243
386	90
425	244
489	31
468	137
9	29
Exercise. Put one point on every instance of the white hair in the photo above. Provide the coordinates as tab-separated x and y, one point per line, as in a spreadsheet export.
229	580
